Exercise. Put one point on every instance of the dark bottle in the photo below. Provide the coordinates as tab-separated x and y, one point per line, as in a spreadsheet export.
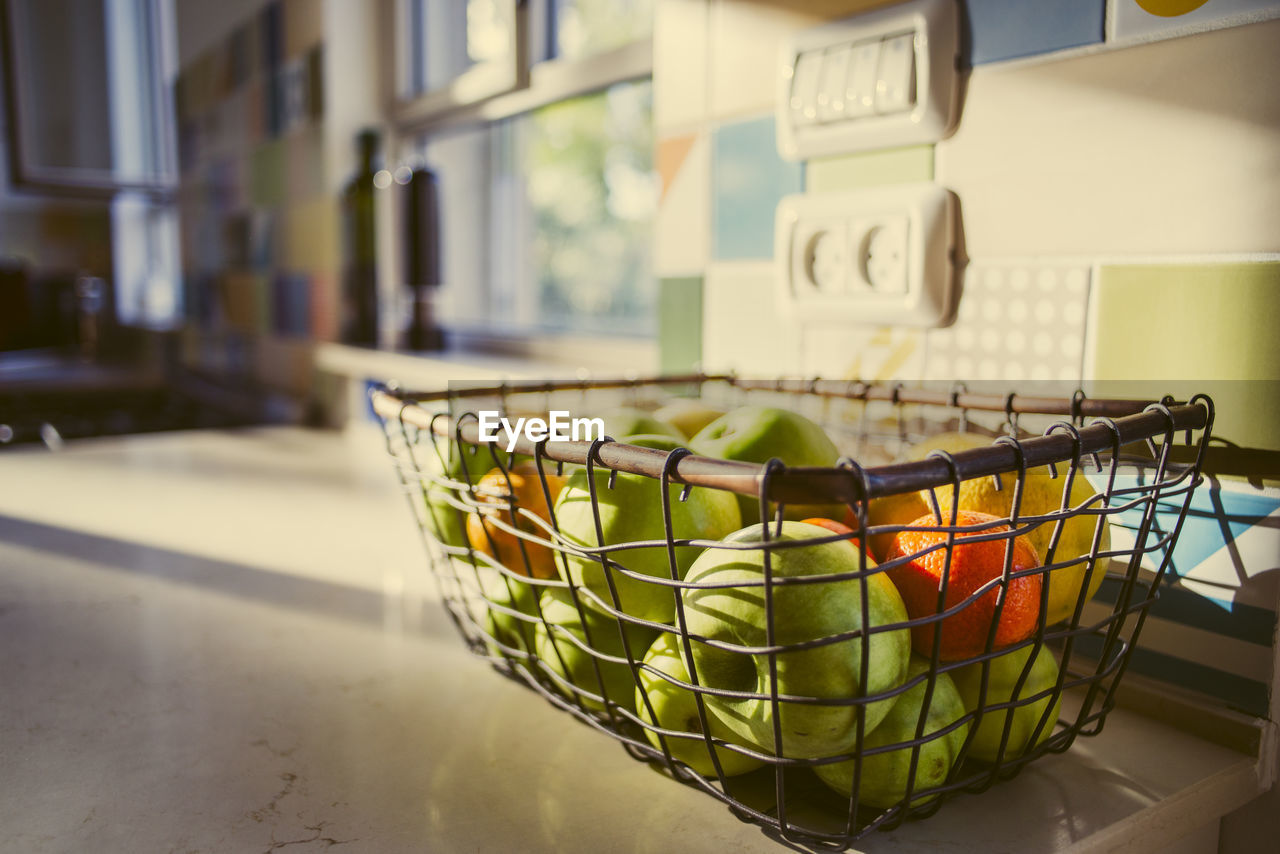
420	220
360	276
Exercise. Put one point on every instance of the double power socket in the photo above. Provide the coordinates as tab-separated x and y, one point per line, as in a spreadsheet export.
874	256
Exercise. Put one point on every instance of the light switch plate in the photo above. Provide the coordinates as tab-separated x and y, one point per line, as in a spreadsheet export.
882	256
901	81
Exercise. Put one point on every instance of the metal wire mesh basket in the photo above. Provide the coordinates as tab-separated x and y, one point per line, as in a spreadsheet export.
826	677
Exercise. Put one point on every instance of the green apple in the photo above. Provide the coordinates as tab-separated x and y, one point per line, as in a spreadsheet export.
687	415
631	512
627	421
445	522
676	708
1005	672
438	458
728	607
571	662
757	434
501	594
883	782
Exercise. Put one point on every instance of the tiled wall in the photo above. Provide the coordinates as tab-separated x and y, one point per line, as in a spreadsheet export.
260	231
1118	177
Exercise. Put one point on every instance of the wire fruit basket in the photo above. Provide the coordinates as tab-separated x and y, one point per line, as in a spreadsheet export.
828	649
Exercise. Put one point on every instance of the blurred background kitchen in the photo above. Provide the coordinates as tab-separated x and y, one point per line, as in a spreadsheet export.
205	202
221	214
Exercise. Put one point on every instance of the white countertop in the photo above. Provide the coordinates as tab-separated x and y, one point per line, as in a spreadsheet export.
229	641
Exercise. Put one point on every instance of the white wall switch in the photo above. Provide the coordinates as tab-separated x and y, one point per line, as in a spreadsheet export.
883	255
898	65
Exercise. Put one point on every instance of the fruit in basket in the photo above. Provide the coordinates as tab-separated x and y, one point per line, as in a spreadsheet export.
729	607
1041	495
502	594
676	708
445	522
439	459
973	564
905	508
838	528
687	415
627	421
757	434
884	776
900	509
1006	670
521	489
573	649
631	512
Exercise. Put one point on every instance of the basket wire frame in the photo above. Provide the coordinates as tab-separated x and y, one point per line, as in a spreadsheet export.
481	588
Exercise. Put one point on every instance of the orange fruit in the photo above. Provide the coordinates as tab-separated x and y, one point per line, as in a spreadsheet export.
838	528
525	493
972	564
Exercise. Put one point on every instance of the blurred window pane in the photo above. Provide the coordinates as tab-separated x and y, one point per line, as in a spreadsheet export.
564	197
90	81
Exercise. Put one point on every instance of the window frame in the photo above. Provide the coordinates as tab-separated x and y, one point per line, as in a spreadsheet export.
478	83
83	182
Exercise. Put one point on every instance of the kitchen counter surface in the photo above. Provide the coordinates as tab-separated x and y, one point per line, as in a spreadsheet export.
228	641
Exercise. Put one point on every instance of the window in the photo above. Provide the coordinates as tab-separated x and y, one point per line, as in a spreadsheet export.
87	86
546	223
89	114
547	192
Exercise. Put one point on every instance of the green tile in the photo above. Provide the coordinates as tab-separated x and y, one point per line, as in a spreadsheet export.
872	169
1187	328
680	324
269	174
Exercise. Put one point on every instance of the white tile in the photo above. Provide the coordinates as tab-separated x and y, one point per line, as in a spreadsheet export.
680	62
1170	147
741	328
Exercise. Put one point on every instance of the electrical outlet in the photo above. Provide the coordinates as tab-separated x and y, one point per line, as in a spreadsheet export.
882	255
873	256
825	257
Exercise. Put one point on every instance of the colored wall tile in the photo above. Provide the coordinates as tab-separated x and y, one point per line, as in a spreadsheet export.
311	236
670	155
324	306
306	164
1155	148
268	173
1015	322
1186	328
682	228
303	26
747	181
1212	628
871	169
1008	29
680	324
1146	19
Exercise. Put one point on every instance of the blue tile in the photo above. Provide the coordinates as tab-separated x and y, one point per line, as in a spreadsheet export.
748	178
1006	29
